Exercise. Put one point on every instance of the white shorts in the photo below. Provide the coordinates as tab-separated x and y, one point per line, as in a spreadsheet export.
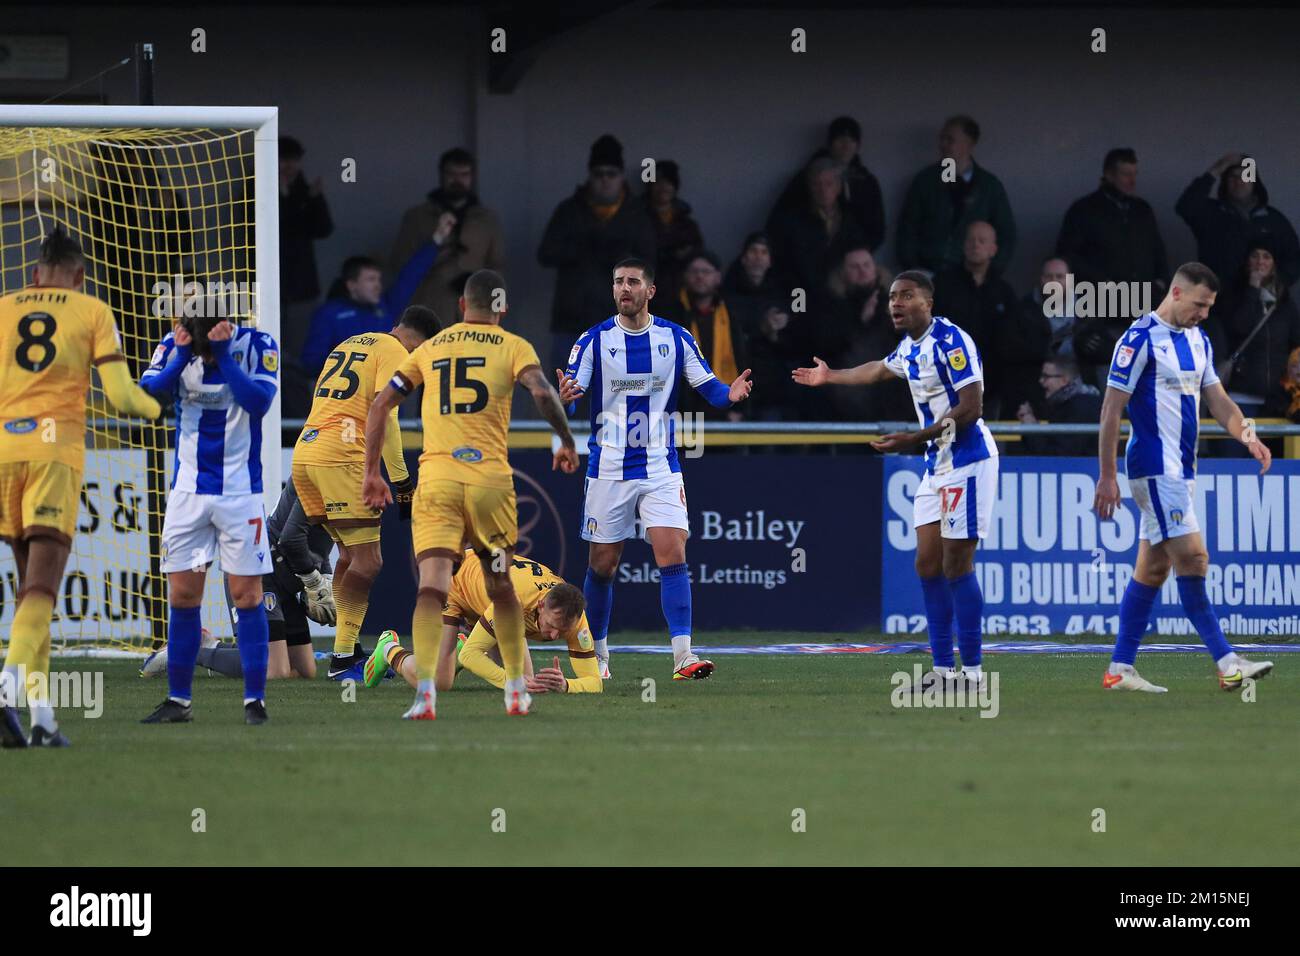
198	528
1168	507
961	500
612	508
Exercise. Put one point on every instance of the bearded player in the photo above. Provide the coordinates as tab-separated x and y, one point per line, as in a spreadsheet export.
51	334
634	362
466	490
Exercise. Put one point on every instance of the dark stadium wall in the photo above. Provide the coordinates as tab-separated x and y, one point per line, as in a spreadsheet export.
722	93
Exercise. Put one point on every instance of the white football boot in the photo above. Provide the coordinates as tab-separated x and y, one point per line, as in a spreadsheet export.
1234	669
1126	677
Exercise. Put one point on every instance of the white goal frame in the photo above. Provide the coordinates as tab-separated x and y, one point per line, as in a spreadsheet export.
264	122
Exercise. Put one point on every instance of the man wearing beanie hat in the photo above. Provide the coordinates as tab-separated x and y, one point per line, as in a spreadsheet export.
676	231
596	227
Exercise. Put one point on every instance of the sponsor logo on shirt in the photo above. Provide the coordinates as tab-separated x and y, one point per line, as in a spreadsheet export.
467	454
1188	383
644	383
584	639
310	436
20	426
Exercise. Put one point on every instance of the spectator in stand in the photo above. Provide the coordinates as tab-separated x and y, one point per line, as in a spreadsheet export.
1111	235
776	348
1049	308
677	234
588	233
1254	336
809	239
861	189
976	298
304	218
358	302
1226	223
1067	399
749	284
477	240
701	310
940	206
853	327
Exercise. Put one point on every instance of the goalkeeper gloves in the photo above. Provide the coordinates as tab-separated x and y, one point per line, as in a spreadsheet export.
404	494
318	589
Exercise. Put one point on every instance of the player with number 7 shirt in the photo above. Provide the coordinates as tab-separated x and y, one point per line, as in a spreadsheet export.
222	378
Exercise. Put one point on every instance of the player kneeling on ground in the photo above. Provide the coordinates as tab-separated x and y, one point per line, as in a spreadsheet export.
553	610
297	588
223	378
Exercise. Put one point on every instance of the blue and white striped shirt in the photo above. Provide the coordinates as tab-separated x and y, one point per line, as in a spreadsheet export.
632	379
1164	369
218	443
936	366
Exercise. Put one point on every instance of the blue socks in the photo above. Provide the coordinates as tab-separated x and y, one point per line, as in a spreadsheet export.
1134	617
253	635
938	613
183	637
1196	604
599	595
675	597
968	602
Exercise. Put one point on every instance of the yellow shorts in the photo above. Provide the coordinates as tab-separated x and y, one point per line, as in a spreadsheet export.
448	515
39	498
331	495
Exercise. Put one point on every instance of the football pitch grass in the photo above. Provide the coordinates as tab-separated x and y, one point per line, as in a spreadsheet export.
708	772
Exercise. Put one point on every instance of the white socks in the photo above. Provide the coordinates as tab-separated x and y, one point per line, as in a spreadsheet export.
681	649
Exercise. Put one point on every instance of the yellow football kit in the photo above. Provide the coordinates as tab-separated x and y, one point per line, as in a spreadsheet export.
49	339
329	457
468	601
466	491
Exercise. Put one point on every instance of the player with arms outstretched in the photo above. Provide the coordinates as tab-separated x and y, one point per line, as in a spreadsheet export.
954	502
466	490
633	363
1161	369
51	334
223	380
553	610
329	467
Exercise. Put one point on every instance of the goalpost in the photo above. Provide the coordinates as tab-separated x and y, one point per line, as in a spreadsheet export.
176	208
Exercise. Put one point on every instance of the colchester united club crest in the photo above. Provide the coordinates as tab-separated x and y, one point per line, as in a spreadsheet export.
1176	516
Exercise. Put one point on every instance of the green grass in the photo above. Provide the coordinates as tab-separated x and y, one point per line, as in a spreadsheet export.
708	773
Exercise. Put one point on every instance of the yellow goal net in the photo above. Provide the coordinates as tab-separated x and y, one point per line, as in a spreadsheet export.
171	207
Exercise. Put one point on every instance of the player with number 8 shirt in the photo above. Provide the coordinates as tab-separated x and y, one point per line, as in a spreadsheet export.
51	334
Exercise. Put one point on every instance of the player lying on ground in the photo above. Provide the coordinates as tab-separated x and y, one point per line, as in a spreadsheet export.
223	379
954	502
553	610
1161	369
51	333
633	471
466	488
297	588
329	465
